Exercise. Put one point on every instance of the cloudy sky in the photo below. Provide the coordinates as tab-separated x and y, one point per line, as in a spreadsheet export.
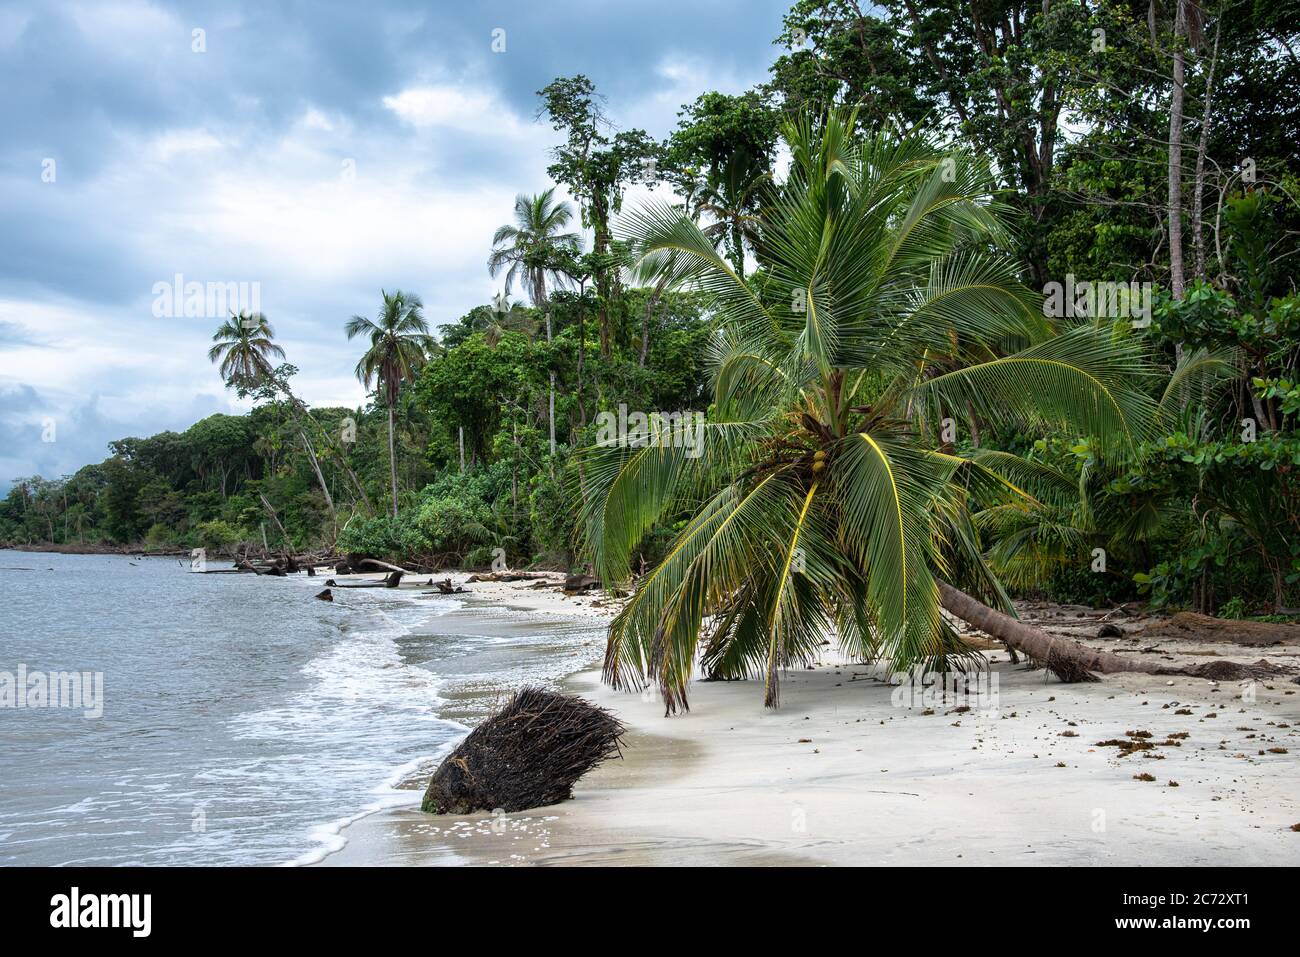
319	150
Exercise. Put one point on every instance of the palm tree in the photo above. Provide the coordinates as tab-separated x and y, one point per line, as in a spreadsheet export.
245	347
732	203
399	344
500	318
528	250
820	497
532	250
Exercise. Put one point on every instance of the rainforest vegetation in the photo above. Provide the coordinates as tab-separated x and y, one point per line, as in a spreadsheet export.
844	269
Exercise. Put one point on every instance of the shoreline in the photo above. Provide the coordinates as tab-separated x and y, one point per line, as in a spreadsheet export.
842	775
508	612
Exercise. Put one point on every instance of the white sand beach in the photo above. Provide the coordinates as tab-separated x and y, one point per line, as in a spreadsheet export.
841	775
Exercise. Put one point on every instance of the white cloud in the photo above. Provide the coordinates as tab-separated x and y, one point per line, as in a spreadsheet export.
454	107
175	142
130	29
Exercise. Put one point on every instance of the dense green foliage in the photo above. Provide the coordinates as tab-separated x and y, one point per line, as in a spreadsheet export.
1067	107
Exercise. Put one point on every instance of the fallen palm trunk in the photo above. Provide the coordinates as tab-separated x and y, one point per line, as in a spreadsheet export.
1071	661
529	754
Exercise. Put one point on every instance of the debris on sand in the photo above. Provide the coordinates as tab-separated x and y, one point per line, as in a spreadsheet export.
1191	626
529	754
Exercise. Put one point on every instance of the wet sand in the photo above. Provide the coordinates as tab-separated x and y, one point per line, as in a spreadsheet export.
843	775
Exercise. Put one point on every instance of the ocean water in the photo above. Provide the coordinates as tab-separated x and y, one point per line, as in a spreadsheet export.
243	722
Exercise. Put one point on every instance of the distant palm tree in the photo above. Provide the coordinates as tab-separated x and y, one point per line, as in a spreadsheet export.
532	250
495	322
529	249
732	203
244	344
399	344
245	348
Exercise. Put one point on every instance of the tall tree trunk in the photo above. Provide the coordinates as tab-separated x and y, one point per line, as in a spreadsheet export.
551	398
300	409
1198	197
1069	660
392	457
600	247
582	354
311	456
645	319
1176	281
275	518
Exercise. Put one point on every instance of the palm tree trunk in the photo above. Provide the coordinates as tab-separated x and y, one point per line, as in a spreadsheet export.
315	464
300	409
392	457
1069	660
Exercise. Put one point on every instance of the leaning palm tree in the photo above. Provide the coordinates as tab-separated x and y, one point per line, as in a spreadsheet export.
532	251
245	347
399	345
820	496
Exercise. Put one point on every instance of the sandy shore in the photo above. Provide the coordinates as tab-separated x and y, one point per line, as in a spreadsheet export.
541	595
842	774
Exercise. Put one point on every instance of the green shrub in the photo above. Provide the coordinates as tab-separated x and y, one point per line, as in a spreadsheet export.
1234	608
159	536
216	534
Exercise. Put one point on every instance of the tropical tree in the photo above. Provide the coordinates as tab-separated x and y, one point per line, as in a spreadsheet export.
244	347
399	345
597	168
732	203
822	494
532	250
528	249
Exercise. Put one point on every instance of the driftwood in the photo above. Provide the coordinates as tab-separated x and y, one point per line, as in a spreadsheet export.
578	584
445	587
325	595
529	754
376	563
1194	627
505	577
